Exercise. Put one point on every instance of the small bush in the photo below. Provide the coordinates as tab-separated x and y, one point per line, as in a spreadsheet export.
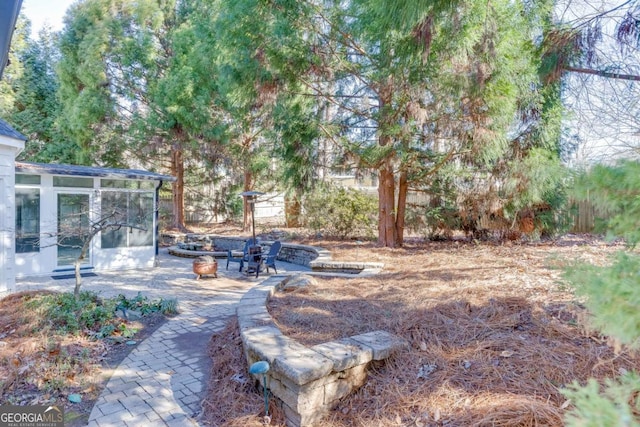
169	306
144	305
65	314
61	313
341	212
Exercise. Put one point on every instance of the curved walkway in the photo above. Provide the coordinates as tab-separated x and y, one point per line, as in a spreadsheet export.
163	380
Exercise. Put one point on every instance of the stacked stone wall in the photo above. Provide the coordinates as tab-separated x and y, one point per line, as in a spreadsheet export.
307	381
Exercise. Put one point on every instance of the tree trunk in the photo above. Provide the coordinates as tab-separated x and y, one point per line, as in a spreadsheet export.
81	257
386	186
76	289
605	74
177	170
403	189
386	206
293	210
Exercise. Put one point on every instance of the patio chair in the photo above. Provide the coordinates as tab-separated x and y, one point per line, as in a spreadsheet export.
245	253
269	259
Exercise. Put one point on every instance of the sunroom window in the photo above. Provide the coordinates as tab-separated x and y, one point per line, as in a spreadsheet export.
27	220
133	211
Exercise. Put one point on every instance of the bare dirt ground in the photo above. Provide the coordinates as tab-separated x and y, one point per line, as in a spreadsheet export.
494	335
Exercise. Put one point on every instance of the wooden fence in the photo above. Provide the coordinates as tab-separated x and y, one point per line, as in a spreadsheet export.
585	214
199	210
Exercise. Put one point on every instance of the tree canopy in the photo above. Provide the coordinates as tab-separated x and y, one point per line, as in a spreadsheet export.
460	102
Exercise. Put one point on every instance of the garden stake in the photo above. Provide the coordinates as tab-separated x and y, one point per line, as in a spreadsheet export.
262	367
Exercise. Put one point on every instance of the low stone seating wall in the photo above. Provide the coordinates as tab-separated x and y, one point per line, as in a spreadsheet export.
318	259
344	266
308	382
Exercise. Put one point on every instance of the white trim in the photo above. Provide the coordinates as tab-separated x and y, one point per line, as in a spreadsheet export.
4	236
12	143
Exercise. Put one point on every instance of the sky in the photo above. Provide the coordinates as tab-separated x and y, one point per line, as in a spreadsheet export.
40	12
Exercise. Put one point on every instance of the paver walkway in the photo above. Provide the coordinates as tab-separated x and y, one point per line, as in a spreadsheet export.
162	381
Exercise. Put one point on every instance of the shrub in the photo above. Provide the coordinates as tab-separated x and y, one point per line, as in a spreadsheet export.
611	294
66	314
341	212
144	305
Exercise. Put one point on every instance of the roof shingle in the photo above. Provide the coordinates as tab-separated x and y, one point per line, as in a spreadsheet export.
7	130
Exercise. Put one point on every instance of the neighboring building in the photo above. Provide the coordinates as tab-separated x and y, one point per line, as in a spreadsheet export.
57	206
11	144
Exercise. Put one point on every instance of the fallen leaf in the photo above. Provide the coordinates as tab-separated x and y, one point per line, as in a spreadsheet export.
507	353
423	346
566	404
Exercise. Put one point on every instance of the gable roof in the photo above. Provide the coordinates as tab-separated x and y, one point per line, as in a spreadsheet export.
7	130
9	10
75	170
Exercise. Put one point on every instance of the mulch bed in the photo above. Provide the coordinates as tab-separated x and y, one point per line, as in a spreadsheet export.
494	335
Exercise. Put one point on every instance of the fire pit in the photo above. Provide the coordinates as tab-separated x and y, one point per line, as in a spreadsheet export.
204	266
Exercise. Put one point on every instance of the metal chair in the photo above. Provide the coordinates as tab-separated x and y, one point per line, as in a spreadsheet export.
269	260
245	253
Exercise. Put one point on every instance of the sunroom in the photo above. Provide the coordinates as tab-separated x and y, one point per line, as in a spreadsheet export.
60	208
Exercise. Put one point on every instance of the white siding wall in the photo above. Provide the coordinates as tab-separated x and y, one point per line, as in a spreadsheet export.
9	147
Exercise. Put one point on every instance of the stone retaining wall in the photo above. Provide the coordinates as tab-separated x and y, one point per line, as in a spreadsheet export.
308	382
318	259
290	252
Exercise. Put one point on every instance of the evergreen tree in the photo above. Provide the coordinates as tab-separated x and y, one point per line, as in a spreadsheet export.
414	86
612	296
14	69
37	108
28	96
121	84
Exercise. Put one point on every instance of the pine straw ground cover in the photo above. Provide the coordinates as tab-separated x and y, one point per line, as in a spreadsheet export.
494	336
43	363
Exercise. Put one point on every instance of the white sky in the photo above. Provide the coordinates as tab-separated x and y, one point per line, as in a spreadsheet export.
40	12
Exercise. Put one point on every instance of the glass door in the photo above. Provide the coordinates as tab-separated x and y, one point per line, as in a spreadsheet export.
73	228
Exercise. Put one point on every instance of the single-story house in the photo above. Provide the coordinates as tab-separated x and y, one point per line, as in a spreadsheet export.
49	210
